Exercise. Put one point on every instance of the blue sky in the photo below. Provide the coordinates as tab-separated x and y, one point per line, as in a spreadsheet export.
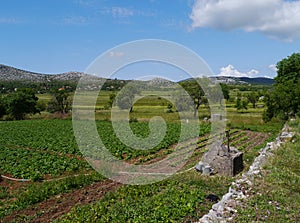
237	38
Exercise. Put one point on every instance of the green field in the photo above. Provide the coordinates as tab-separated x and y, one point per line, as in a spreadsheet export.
44	150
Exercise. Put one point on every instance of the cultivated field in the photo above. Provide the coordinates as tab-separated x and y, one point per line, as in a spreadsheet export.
54	182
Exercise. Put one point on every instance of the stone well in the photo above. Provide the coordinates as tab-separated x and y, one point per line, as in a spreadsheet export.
224	161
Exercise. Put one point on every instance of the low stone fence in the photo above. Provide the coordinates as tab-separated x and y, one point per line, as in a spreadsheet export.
225	210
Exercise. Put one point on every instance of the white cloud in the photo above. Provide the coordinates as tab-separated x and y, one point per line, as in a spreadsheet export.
252	73
273	67
123	12
75	20
231	71
86	3
116	54
8	21
118	12
268	77
275	18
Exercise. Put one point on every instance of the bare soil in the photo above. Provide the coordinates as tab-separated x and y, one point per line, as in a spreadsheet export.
59	205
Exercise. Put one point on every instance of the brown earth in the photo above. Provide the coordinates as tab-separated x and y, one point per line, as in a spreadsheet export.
254	139
58	205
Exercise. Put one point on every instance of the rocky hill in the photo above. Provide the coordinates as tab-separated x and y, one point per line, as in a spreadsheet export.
8	74
11	74
242	81
245	80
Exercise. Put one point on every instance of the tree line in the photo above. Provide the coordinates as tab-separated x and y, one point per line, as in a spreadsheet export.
283	101
16	105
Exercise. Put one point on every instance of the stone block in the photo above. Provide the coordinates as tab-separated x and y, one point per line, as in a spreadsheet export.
224	162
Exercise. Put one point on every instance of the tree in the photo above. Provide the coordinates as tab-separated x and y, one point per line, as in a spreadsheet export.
2	107
225	90
20	103
196	93
110	101
271	107
61	102
288	70
41	106
170	107
125	98
216	92
182	101
253	98
241	103
284	100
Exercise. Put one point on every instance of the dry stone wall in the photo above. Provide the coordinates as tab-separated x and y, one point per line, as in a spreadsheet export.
225	209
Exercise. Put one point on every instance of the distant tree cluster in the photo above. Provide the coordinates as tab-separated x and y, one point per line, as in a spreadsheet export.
19	103
198	96
284	100
241	103
249	87
41	88
61	101
114	84
16	105
253	97
125	98
196	93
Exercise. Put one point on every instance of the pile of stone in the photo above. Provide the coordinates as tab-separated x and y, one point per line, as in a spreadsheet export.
222	160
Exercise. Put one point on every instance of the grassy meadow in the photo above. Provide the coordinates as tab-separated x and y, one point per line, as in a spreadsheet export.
276	196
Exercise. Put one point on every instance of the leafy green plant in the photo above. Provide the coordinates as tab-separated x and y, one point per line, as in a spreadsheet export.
38	148
174	200
37	192
30	164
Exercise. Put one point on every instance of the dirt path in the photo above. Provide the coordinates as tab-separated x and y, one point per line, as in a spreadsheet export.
56	206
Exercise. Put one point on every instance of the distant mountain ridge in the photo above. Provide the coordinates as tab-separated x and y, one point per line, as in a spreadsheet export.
245	80
9	74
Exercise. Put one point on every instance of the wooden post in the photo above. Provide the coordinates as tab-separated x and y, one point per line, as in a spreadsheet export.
228	139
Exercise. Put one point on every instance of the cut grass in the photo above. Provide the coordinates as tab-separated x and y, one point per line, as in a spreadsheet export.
253	122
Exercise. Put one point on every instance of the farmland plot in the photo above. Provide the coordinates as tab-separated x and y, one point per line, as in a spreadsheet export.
46	149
